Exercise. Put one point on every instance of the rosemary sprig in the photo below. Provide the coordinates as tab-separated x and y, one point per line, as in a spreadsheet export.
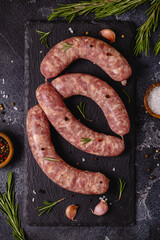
10	209
129	100
81	108
144	32
121	185
101	8
51	159
48	207
86	140
44	37
66	46
105	8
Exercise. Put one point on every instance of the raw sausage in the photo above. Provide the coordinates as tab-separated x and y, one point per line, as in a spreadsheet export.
100	92
60	172
71	129
95	50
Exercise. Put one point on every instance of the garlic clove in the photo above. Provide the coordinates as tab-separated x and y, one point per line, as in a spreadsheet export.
108	34
71	211
101	208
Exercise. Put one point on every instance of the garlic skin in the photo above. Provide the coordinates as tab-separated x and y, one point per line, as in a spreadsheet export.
124	82
71	211
108	34
101	208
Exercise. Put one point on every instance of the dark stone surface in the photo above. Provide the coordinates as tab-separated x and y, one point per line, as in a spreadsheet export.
14	15
124	164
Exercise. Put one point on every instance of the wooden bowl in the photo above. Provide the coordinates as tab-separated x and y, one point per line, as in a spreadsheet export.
146	100
11	150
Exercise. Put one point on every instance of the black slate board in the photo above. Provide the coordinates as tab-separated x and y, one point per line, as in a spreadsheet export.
35	181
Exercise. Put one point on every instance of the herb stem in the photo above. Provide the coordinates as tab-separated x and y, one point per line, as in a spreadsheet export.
8	207
51	159
121	185
129	100
66	46
44	37
81	108
103	9
49	206
86	140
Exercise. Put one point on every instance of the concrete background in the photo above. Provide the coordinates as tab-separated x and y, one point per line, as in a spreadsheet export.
14	14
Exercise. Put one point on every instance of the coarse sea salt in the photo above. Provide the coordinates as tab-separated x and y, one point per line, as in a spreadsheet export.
154	100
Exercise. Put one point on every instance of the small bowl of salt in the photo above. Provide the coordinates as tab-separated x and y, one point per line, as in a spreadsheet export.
152	100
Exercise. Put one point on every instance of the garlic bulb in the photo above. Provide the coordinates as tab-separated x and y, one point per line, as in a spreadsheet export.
108	34
101	208
71	211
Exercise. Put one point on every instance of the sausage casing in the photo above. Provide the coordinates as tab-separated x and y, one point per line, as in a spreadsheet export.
60	172
71	129
95	50
99	91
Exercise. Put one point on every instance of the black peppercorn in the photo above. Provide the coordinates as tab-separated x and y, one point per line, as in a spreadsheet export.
66	118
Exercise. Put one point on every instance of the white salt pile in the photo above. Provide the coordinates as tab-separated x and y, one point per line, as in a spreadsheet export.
154	100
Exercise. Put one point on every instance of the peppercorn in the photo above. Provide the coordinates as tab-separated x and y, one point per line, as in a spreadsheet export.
78	163
87	33
4	149
66	118
108	54
148	169
146	155
157	150
122	36
91	45
100	139
107	96
13	104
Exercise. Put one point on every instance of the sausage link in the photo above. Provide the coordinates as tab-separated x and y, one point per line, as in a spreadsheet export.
71	129
100	92
59	172
95	50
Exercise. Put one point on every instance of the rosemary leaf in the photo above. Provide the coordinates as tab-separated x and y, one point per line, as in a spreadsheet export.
51	159
81	108
44	37
121	185
157	47
8	207
105	8
129	100
48	207
86	140
144	32
66	46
